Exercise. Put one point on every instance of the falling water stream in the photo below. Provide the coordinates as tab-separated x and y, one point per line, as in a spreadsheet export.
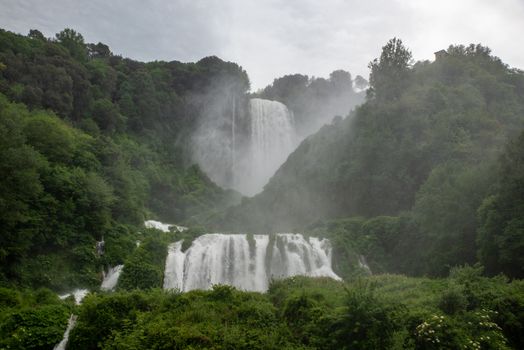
272	139
246	262
111	278
109	283
70	325
242	150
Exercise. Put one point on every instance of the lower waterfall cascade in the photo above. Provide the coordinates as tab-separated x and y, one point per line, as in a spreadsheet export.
247	262
78	295
70	325
111	278
109	283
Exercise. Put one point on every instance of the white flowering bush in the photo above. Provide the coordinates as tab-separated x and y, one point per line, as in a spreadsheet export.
433	333
484	332
473	331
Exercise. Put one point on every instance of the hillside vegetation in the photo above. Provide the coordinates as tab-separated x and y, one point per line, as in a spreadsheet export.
430	166
425	179
91	144
465	311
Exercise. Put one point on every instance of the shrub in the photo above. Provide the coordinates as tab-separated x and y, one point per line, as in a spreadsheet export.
369	321
33	328
453	300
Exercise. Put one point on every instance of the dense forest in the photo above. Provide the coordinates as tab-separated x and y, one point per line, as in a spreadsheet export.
429	168
424	181
92	144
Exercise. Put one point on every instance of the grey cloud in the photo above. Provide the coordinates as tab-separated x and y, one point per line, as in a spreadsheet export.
275	37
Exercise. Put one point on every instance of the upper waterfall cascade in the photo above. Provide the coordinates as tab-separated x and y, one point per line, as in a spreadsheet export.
163	227
246	262
243	149
272	140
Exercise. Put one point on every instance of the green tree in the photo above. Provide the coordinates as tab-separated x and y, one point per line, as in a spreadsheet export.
445	211
20	169
107	116
369	321
36	34
51	137
73	42
501	232
389	73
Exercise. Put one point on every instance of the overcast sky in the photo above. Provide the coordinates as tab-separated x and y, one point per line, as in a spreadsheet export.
271	38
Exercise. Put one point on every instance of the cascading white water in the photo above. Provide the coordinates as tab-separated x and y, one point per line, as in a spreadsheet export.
78	295
272	139
241	150
163	227
246	262
111	278
174	272
70	325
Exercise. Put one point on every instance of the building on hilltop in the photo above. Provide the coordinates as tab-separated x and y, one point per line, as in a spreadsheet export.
440	54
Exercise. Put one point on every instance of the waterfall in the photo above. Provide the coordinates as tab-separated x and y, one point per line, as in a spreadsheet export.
78	295
233	143
108	284
242	150
111	278
363	264
272	139
246	262
163	227
174	272
70	325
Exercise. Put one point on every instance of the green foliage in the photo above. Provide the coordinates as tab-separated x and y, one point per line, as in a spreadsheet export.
101	315
440	332
222	318
73	42
369	322
453	300
388	312
106	115
501	234
445	211
31	320
144	269
9	298
389	73
91	143
377	312
34	328
422	151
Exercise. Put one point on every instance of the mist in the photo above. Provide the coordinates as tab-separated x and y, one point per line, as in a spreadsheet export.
242	139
